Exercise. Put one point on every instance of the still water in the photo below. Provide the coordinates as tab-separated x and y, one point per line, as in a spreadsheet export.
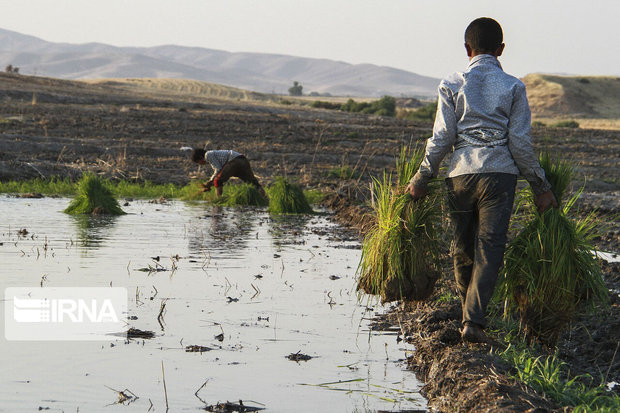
250	288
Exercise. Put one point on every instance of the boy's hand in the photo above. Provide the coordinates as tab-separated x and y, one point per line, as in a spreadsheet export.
544	201
416	192
206	187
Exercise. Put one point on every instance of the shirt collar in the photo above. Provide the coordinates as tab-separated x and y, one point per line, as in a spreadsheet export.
484	59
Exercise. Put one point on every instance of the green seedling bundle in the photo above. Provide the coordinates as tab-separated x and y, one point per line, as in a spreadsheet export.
93	197
400	254
287	198
551	271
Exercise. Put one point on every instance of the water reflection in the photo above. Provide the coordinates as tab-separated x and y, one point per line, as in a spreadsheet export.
93	230
288	229
222	229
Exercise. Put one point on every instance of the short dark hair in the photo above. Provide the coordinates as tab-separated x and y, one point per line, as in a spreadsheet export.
484	35
198	154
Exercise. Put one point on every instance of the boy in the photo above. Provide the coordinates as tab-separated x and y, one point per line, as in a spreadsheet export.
483	117
226	164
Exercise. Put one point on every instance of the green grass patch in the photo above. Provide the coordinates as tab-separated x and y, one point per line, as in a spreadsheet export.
232	195
343	172
549	375
400	254
52	186
146	189
550	273
386	106
93	197
287	198
313	196
425	113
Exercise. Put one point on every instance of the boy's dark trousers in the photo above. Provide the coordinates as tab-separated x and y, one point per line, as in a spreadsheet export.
480	209
239	167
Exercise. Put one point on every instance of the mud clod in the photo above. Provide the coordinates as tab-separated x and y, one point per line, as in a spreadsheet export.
197	349
136	333
298	357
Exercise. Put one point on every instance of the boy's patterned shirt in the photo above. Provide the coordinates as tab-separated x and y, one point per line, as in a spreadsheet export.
218	159
483	117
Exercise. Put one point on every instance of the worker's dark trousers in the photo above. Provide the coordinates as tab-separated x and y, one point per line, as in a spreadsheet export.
480	209
240	168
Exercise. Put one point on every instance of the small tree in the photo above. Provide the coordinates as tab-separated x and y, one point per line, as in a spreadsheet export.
296	89
9	69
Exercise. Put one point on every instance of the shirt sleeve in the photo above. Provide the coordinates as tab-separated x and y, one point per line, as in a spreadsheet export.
520	143
442	141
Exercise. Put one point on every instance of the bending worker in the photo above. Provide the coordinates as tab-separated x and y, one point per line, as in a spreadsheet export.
226	164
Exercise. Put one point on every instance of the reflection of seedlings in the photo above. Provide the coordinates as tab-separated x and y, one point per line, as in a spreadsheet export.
125	397
44	278
331	299
160	316
298	356
136	333
22	232
138	301
163	377
255	289
231	299
155	295
198	349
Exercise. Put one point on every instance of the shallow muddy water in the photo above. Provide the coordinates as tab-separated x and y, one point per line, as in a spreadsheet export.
252	289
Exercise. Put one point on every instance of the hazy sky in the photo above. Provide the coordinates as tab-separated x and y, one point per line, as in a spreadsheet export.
422	36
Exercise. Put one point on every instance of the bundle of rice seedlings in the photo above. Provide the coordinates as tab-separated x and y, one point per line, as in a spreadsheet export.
400	253
243	194
551	271
287	198
93	197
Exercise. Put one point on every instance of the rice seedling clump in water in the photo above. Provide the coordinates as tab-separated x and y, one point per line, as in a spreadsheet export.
244	194
550	270
93	197
400	254
287	198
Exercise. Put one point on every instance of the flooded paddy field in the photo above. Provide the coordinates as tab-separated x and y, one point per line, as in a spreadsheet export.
243	306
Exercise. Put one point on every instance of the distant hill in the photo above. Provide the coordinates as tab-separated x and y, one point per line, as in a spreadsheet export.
576	96
265	73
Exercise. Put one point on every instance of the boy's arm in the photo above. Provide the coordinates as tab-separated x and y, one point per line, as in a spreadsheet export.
520	143
438	145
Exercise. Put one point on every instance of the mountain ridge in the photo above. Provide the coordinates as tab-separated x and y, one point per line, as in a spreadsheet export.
259	72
